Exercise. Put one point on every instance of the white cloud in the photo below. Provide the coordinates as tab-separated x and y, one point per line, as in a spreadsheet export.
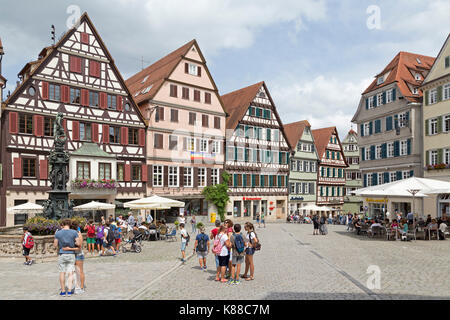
324	101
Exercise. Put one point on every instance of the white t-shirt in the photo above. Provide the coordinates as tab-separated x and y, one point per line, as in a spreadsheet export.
223	238
253	235
183	233
182	219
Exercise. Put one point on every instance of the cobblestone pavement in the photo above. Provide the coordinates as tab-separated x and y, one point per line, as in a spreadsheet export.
293	264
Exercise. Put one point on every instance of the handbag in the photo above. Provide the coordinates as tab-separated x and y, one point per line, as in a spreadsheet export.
256	246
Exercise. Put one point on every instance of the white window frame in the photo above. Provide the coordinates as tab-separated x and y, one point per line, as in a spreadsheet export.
379	99
446	156
204	145
191	142
293	165
405	174
433	157
306	166
367	128
193	69
158	176
369	179
313	166
173	175
368	153
370	102
215	176
188	177
392	176
433	126
300	167
215	147
445	121
380	80
446	92
402	120
380	177
432	96
389	96
404	147
240	154
378	151
390	150
202	177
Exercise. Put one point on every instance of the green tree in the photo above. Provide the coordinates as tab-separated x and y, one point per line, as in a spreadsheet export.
218	194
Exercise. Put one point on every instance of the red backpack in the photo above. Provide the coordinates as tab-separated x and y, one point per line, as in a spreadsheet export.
30	242
91	231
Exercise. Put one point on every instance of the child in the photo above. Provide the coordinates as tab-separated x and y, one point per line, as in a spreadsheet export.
238	254
91	236
27	245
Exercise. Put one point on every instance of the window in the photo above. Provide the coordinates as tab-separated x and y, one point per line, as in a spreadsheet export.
300	166
114	134
446	124
390	149
112	102
192	117
185	93
202	177
190	144
75	95
203	145
193	69
313	166
31	91
54	92
240	154
389	96
173	90
403	121
205	121
299	146
380	80
93	99
378	152
446	92
405	174
434	126
403	147
433	157
136	172
207	97
370	102
379	99
368	154
29	167
215	176
48	126
197	95
216	122
367	128
392	176
158	176
173	142
104	171
158	141
230	153
306	166
447	156
120	171
293	165
173	176
215	146
276	135
433	96
380	178
159	114
133	136
418	77
85	131
415	90
173	115
187	177
83	170
369	179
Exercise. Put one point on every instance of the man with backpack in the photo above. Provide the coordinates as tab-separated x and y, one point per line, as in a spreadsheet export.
202	247
90	227
238	254
108	240
27	245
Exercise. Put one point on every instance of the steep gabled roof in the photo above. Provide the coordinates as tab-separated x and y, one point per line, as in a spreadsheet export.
156	73
294	131
431	77
47	53
236	103
321	139
400	71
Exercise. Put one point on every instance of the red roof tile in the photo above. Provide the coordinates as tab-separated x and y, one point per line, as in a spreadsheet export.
294	131
321	139
156	73
400	71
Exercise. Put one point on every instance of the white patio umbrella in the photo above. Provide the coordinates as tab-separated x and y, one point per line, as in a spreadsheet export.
26	208
94	205
313	207
154	202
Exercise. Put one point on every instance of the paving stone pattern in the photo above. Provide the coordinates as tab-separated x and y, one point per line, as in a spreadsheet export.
293	264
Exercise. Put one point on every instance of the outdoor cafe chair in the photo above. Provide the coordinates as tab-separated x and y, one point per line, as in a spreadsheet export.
389	233
172	235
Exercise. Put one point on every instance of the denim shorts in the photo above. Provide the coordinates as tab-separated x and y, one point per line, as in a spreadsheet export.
183	246
250	251
99	241
79	257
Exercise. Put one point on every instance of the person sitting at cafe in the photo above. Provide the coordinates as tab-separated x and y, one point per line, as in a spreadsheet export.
375	224
403	228
357	225
432	227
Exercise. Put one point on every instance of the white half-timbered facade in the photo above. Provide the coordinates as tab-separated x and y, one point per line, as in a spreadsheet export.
104	128
257	155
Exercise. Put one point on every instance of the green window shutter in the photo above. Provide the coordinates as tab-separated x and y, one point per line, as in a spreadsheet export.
439	94
447	61
246	155
394	93
439	124
426	97
427	126
235	154
370	127
235	179
362	130
375	101
363	154
408	146
384	97
440	156
427	160
268	135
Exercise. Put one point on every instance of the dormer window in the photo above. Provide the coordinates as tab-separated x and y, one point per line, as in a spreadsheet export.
380	80
418	77
192	69
415	91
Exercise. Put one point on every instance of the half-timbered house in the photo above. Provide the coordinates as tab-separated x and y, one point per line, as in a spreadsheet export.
257	155
186	127
331	171
105	130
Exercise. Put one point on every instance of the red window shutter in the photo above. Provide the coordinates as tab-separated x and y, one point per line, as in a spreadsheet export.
127	173
119	103
105	133
72	64
13	122
95	132
142	137
17	168
124	135
75	130
65	125
84	38
94	68
38	127
84	97
65	96
199	71
186	67
98	69
44	90
103	100
79	65
144	173
43	169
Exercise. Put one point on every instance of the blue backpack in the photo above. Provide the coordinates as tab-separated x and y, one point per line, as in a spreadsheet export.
239	243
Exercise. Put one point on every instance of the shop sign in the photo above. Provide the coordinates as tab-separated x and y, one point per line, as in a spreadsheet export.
297	198
251	199
376	200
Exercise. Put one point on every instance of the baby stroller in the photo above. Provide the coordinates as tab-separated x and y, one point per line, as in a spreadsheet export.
323	229
133	245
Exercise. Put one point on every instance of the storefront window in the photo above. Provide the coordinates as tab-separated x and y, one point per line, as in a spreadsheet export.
237	208
256	208
264	206
247	208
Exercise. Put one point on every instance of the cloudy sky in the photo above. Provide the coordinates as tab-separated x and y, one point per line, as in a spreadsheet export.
316	56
